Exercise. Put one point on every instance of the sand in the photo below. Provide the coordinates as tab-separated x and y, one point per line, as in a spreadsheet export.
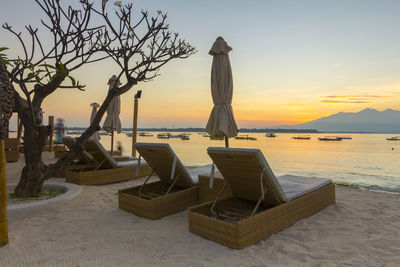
361	229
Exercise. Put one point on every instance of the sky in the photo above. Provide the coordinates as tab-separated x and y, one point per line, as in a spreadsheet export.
292	62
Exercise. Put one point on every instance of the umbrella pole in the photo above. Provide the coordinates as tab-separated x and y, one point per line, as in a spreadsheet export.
112	143
226	141
134	126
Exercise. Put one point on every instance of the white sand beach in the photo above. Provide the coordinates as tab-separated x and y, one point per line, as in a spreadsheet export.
361	229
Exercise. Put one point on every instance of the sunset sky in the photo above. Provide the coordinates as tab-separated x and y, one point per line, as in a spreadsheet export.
293	61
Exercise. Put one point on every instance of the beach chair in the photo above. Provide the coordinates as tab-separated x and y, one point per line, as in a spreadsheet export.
11	148
106	169
84	157
175	191
84	160
261	204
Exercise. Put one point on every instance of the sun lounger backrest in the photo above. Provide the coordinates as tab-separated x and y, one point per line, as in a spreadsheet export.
99	154
84	157
242	169
160	158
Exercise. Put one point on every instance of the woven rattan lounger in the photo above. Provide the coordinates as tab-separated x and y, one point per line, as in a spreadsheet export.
107	169
84	160
11	146
261	204
175	191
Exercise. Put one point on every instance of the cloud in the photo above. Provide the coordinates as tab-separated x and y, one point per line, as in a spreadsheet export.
296	104
350	99
355	96
345	101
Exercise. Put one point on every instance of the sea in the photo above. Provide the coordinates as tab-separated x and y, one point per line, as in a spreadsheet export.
367	161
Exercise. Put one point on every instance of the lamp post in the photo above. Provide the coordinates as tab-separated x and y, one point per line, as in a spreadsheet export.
135	115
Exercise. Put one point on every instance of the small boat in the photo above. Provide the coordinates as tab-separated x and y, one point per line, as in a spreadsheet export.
164	135
330	138
216	138
305	137
394	138
129	134
245	137
185	137
145	134
270	135
74	132
345	137
206	135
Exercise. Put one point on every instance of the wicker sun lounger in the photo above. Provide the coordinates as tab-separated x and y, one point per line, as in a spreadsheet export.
175	191
84	160
106	169
12	152
261	204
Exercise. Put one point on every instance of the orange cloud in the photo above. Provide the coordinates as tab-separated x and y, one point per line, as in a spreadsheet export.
345	101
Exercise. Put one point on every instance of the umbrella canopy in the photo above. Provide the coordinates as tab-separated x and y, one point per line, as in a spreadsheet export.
112	122
221	122
94	106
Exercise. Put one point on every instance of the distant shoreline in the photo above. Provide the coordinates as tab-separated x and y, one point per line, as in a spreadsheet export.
241	130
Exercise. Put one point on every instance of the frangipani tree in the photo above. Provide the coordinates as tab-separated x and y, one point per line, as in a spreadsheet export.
139	46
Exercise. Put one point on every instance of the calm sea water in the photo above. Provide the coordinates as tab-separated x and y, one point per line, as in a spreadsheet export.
367	160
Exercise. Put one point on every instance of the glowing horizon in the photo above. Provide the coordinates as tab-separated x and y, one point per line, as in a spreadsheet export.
292	63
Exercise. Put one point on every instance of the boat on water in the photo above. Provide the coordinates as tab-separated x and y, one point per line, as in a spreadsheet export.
129	134
74	132
216	138
145	134
179	135
185	137
330	138
270	135
245	137
304	137
164	136
394	138
206	135
345	137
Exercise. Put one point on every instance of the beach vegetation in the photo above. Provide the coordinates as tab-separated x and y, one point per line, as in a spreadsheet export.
81	32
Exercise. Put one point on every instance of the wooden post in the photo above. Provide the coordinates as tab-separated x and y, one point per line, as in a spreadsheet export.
134	128
3	197
19	133
51	124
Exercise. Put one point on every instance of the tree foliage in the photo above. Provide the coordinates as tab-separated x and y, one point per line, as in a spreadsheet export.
139	44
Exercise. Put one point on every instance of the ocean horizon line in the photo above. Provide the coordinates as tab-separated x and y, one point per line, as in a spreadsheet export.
241	130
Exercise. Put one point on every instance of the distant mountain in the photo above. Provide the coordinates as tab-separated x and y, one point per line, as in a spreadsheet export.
367	120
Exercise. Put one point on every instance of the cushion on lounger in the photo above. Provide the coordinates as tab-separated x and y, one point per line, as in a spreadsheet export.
297	186
195	172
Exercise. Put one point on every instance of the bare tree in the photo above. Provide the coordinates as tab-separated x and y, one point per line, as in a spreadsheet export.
139	47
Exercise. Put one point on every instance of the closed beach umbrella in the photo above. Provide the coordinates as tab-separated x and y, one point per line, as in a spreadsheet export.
94	106
112	122
221	122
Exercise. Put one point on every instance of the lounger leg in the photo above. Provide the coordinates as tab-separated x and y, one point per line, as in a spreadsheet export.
142	186
173	183
218	196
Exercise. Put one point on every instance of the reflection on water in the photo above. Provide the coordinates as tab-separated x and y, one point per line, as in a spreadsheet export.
367	160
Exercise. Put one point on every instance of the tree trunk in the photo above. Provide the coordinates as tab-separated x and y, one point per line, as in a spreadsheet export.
34	173
32	179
